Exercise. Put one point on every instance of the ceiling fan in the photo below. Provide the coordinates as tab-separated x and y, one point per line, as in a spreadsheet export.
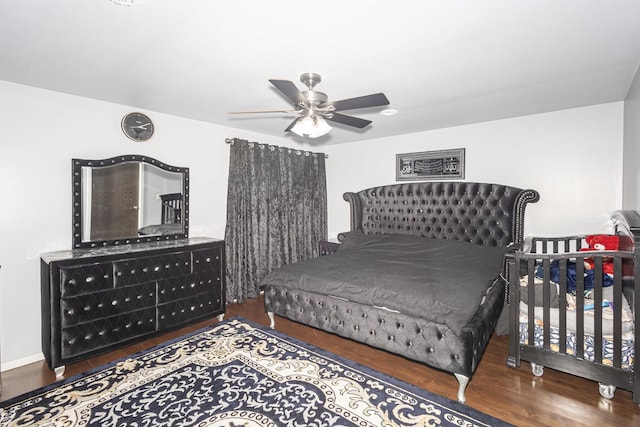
314	107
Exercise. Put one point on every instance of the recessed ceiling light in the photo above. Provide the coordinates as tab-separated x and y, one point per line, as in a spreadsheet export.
388	112
123	2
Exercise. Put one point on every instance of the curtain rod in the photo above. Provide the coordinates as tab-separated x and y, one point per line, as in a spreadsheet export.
232	140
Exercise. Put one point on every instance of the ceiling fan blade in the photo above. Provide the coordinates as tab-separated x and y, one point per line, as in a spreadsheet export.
293	123
349	120
266	111
290	91
373	100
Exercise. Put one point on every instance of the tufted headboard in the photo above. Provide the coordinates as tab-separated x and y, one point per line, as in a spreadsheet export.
481	213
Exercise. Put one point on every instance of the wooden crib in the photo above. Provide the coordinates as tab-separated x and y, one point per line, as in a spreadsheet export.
584	324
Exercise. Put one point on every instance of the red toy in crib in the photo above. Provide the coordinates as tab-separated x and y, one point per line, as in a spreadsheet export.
601	242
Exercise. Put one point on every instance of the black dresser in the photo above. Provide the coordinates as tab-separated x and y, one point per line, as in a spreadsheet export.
95	300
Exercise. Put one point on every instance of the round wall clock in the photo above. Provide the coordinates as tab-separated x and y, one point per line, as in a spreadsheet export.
137	126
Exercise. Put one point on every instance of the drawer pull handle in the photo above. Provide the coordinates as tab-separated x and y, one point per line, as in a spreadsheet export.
156	268
114	302
144	270
88	279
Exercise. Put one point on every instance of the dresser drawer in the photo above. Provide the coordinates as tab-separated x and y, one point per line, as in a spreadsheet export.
98	305
207	259
183	287
146	269
84	279
103	333
178	312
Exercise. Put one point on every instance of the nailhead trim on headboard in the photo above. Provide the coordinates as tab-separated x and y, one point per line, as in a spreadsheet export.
481	213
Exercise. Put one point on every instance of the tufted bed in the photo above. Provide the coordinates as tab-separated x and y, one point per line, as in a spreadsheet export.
420	273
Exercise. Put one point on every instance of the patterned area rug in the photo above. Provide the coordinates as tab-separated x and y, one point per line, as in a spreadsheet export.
236	374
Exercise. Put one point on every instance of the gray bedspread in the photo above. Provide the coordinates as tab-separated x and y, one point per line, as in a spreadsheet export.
442	281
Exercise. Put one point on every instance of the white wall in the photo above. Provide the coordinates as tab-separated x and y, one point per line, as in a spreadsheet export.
40	132
572	157
631	152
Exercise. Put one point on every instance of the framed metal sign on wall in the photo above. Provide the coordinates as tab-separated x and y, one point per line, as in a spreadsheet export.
427	165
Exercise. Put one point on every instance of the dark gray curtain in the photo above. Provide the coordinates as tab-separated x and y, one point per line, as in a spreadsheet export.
276	212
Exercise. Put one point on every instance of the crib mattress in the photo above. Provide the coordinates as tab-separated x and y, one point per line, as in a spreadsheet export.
589	344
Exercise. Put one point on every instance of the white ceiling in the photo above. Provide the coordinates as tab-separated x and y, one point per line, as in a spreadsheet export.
440	63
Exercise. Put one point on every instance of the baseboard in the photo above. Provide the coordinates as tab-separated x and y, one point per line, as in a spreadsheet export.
6	366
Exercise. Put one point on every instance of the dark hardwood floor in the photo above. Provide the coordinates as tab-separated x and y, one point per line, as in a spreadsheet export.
513	395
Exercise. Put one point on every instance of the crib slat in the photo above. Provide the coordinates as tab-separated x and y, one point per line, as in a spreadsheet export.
580	307
546	317
531	296
597	309
617	313
562	326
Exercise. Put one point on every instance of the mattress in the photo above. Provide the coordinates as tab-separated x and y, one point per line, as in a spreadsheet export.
438	280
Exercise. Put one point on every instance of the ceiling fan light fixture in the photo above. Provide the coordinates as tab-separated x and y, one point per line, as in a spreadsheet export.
321	128
312	127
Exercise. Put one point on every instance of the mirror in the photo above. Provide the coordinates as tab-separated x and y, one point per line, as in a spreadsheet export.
128	199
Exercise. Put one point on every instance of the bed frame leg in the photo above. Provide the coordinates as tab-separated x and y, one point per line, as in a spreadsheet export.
272	319
463	380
